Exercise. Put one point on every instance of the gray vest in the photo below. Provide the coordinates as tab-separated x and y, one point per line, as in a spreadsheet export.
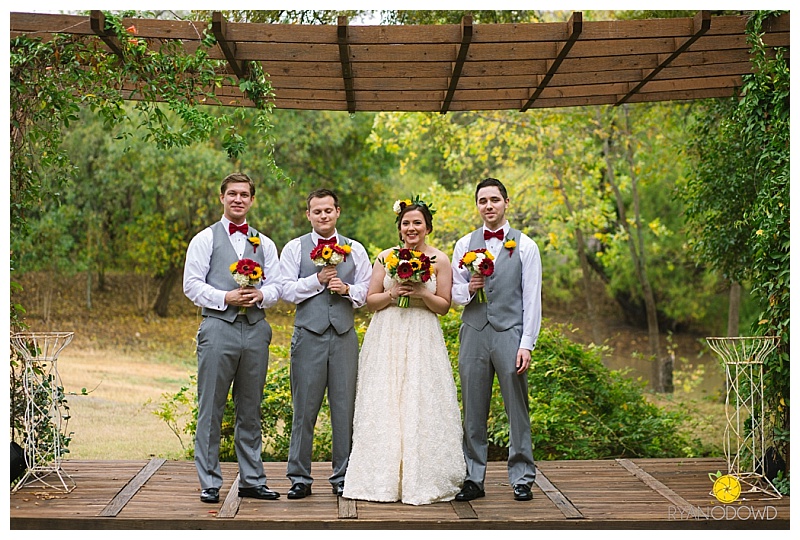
503	307
322	310
219	273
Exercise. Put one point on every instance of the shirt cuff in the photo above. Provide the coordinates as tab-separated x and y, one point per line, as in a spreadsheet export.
527	343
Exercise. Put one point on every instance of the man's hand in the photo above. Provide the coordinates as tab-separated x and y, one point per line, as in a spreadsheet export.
523	360
337	285
326	274
244	297
476	282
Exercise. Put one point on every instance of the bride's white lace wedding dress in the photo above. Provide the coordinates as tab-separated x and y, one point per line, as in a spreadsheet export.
407	443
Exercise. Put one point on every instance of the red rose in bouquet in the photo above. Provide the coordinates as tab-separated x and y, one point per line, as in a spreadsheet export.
478	261
404	265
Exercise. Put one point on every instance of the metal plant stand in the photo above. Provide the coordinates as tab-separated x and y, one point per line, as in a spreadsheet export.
45	420
744	408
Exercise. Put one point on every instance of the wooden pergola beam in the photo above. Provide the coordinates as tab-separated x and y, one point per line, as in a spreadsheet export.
414	67
575	26
466	38
228	47
347	68
700	25
97	22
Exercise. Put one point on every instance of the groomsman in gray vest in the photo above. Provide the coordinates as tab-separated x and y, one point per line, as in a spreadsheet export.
233	338
324	352
497	337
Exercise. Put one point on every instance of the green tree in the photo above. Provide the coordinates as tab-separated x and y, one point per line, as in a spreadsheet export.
49	81
594	185
738	201
283	16
177	196
326	149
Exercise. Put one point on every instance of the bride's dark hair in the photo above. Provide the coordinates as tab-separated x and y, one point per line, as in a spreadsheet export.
426	215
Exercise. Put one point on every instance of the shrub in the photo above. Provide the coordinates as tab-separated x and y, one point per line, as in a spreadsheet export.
276	419
579	409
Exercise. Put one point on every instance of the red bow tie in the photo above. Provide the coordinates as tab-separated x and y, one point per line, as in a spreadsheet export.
232	228
328	242
497	234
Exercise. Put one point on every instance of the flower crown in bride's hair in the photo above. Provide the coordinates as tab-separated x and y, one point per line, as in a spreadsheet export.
400	204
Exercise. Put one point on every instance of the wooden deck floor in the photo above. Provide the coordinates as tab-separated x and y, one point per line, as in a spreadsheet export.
609	494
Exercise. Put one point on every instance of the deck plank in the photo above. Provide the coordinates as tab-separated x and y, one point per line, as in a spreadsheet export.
230	506
558	498
660	488
126	494
347	508
605	493
463	510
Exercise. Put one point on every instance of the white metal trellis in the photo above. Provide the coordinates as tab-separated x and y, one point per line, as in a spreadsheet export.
43	393
744	444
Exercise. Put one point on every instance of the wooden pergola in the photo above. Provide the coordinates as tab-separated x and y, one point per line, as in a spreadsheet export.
442	68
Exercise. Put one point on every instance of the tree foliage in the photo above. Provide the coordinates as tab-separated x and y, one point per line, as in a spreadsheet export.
738	202
554	165
137	204
50	80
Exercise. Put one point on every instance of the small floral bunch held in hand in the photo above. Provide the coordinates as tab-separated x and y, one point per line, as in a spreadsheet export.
246	273
330	255
408	265
478	261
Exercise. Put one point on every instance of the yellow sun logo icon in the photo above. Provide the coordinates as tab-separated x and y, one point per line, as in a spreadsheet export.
727	488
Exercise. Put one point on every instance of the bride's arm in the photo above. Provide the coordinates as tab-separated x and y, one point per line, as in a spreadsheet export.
377	299
438	302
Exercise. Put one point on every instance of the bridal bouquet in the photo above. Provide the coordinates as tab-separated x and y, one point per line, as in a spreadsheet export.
478	261
408	265
246	273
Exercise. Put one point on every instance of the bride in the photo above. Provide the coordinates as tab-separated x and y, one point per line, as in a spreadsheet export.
407	435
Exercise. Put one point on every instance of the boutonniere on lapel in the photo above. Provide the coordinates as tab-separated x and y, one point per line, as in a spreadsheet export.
510	244
254	240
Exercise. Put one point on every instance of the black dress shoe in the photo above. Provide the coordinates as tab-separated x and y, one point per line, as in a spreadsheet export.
259	492
522	492
338	489
470	492
210	495
299	491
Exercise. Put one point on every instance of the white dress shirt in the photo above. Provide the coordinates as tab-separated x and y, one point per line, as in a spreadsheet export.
531	281
198	262
296	289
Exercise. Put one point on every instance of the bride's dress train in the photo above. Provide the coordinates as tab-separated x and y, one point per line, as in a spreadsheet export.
407	435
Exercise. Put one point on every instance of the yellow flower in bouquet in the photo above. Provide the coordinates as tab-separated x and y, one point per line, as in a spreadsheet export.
478	261
408	265
246	273
330	254
325	254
